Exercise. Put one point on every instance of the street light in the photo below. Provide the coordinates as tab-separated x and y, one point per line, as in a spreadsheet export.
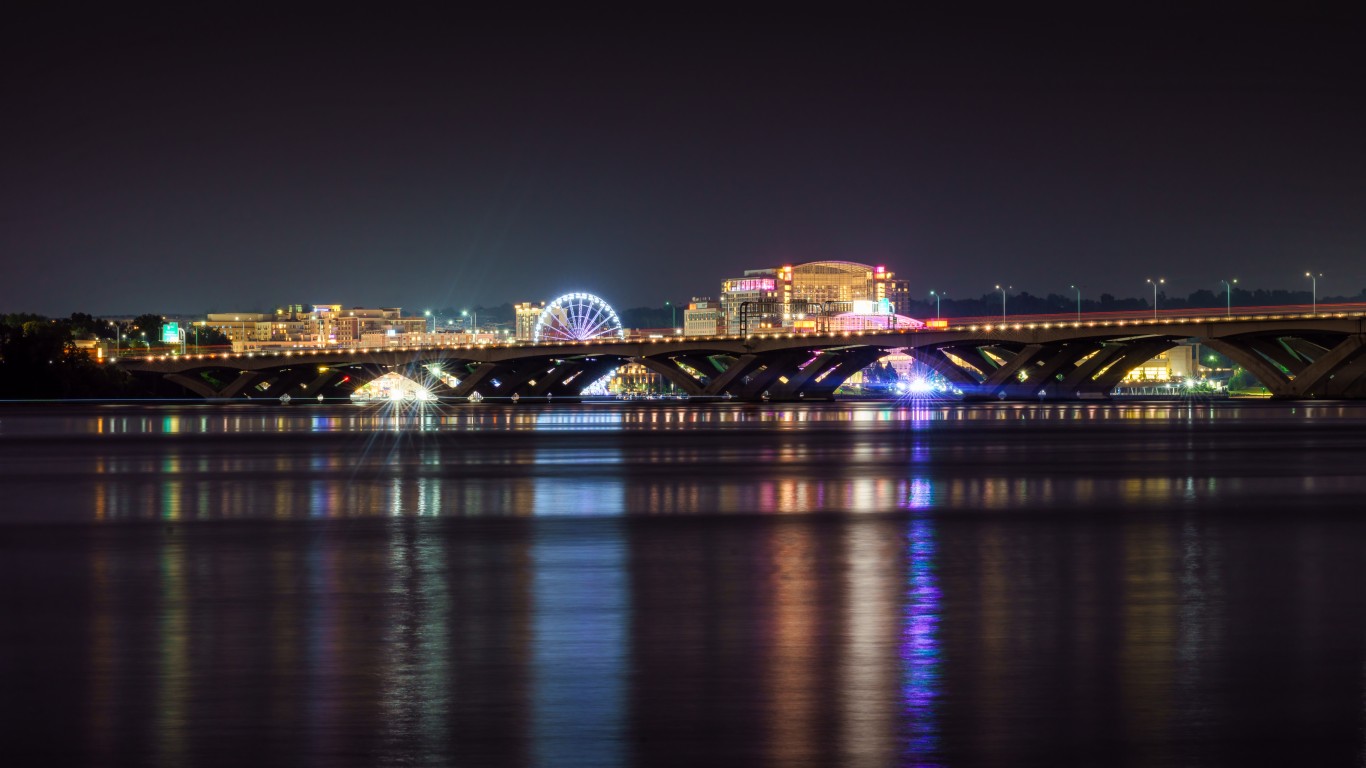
937	296
473	323
118	336
428	314
1154	285
1228	309
1314	288
1003	300
1078	290
673	316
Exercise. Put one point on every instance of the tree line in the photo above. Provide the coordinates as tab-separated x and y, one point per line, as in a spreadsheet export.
39	357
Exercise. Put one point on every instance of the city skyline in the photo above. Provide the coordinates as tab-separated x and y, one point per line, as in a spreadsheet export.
426	161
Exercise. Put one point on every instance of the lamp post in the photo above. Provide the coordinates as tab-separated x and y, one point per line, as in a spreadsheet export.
1078	290
1314	289
1154	284
428	314
673	316
1228	305
1003	300
472	324
118	336
937	296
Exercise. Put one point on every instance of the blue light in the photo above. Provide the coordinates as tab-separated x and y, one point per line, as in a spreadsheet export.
920	651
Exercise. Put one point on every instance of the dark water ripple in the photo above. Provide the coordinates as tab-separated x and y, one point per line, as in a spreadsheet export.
871	584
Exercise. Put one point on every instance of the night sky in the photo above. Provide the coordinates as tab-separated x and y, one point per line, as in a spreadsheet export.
248	158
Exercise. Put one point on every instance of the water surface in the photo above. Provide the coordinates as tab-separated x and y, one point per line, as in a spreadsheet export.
724	584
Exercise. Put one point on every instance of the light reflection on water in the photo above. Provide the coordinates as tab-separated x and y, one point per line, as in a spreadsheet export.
695	459
254	418
581	657
920	652
750	585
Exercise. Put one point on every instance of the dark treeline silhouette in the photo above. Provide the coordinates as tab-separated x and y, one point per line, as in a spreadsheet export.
39	359
1025	303
498	316
39	356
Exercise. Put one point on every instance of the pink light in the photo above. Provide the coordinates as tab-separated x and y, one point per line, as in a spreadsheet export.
754	284
881	269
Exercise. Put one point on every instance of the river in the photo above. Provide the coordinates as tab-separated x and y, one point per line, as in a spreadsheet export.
915	583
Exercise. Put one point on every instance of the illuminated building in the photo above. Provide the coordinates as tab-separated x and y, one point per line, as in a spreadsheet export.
758	287
241	327
324	325
871	316
703	318
1176	364
778	296
635	379
345	327
528	312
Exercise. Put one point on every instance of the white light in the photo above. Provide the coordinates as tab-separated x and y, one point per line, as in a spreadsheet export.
919	386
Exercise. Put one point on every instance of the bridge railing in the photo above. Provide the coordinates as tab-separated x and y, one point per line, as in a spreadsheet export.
1185	313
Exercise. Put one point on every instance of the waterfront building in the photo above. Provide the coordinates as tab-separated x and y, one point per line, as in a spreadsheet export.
1175	365
241	327
528	313
780	297
636	379
703	318
322	325
758	288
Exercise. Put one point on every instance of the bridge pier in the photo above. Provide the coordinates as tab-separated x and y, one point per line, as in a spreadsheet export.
1336	372
669	369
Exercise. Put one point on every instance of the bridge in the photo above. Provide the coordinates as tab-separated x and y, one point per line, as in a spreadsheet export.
1295	354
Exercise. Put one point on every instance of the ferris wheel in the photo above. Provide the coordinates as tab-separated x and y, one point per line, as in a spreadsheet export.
577	317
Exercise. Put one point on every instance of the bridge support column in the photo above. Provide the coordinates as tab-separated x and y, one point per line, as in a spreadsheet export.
1132	355
315	387
197	386
825	376
998	383
765	379
724	381
938	361
1270	376
243	380
477	379
1335	373
1080	382
670	370
548	381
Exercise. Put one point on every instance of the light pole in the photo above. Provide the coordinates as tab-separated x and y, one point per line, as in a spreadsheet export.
1078	290
118	336
1228	306
428	314
673	316
1314	289
1003	301
937	296
472	324
1154	284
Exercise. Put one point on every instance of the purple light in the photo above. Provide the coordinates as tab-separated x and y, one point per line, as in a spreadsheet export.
920	654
